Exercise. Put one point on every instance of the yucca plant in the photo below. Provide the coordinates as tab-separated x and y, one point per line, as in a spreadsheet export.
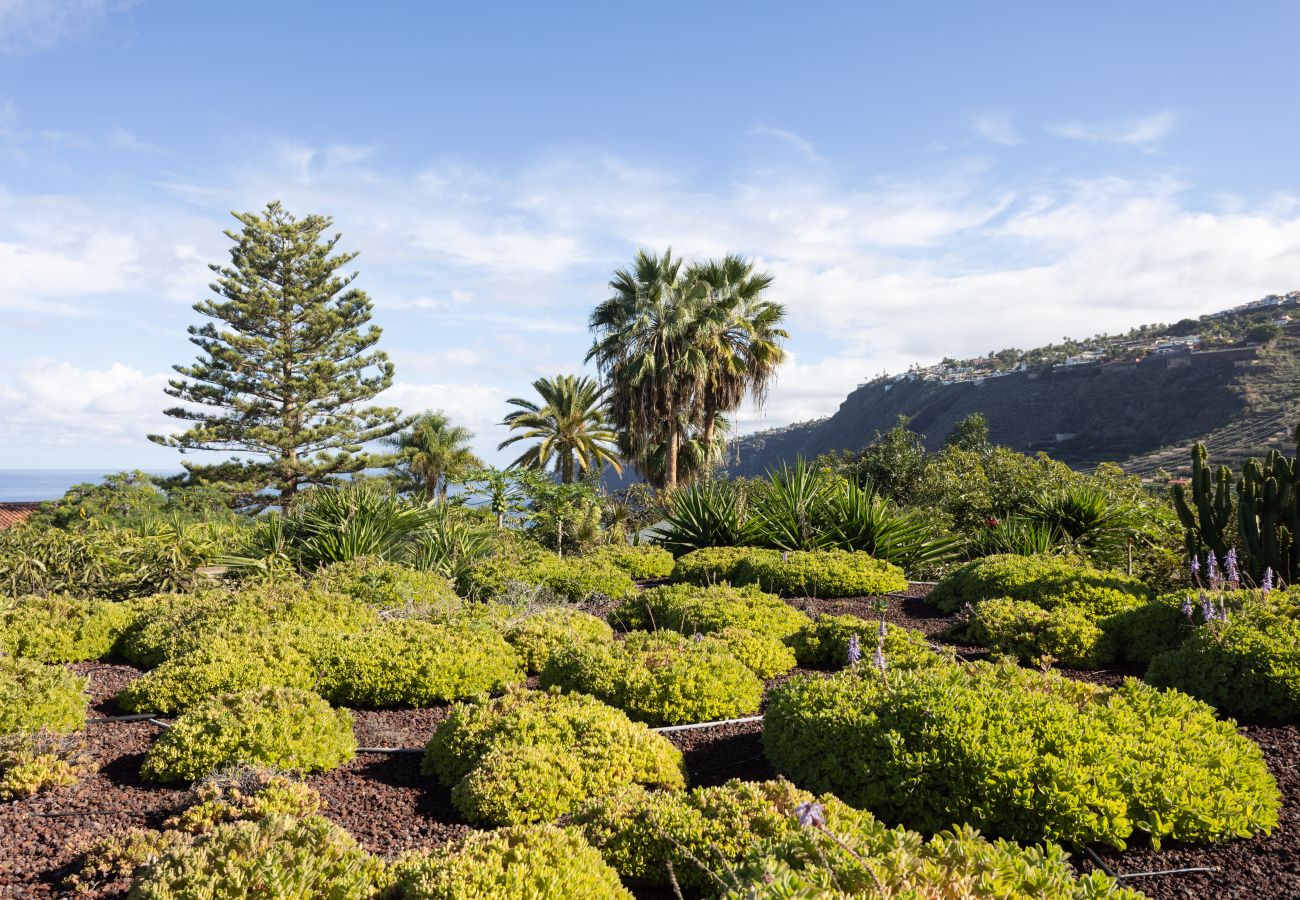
790	509
705	514
1088	520
1020	535
449	545
857	519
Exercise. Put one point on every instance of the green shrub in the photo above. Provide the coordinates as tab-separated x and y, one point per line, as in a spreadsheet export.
389	586
661	678
689	608
283	728
740	832
824	644
34	696
573	578
62	629
407	662
1248	666
533	756
762	654
39	761
244	794
713	565
821	573
223	665
169	624
643	562
536	637
540	862
278	856
1021	754
1139	634
1068	634
1049	581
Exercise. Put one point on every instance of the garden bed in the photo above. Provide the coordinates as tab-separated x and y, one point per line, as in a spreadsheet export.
384	801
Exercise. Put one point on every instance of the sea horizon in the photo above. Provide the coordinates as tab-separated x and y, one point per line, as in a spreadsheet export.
31	485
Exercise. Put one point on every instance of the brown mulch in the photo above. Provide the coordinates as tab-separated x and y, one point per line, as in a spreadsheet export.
384	801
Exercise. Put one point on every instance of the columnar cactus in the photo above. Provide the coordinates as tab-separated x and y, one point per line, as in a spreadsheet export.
1207	518
1269	514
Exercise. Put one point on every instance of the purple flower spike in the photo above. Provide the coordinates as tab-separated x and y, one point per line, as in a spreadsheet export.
1230	567
855	650
1212	571
697	637
810	815
881	630
1187	607
1195	570
879	660
1268	581
1207	608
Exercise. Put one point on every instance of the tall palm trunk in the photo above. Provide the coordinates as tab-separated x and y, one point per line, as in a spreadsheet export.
670	452
710	421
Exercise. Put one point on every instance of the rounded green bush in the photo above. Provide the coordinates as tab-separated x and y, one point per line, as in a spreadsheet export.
35	696
824	644
38	761
535	637
1048	581
690	608
575	578
713	565
1139	634
224	665
661	678
643	562
762	654
61	629
1248	666
1069	635
283	728
387	586
532	756
277	856
170	624
822	573
406	662
540	862
1021	754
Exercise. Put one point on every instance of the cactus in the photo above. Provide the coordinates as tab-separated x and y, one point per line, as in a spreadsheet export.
1208	515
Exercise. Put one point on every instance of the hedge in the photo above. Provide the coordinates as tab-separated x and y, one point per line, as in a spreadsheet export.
643	562
577	579
1069	635
1048	581
35	696
387	586
824	644
712	565
62	629
690	608
821	573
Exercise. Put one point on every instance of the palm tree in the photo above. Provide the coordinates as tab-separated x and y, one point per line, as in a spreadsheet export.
571	427
740	335
432	452
646	348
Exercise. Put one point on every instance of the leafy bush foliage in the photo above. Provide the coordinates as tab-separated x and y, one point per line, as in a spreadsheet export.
282	856
712	565
1049	581
34	696
822	573
407	662
762	654
537	636
389	586
643	562
824	644
1069	635
661	678
534	861
1247	666
689	609
168	625
574	578
38	761
738	834
283	728
62	629
244	794
223	665
961	742
533	756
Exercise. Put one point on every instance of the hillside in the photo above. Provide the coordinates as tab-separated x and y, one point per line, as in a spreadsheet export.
1138	401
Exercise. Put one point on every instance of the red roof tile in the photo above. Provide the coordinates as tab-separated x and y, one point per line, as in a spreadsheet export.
14	513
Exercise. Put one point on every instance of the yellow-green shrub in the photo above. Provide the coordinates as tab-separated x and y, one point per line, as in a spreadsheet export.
824	644
762	654
386	585
540	862
32	762
661	678
1069	635
821	573
535	637
690	608
406	662
1048	581
283	728
533	756
714	565
34	696
643	562
62	629
1022	754
244	793
574	578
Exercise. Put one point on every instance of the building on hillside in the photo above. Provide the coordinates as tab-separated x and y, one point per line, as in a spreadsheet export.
16	513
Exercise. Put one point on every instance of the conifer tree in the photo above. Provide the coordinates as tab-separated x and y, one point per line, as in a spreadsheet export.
287	363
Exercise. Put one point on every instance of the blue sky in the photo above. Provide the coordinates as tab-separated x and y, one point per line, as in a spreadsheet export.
922	180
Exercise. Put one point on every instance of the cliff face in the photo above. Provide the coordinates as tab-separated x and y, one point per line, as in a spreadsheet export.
1142	414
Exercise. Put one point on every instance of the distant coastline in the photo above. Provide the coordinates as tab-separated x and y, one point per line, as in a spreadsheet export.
47	484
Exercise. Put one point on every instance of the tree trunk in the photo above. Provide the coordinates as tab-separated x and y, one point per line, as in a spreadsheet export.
566	468
710	422
670	451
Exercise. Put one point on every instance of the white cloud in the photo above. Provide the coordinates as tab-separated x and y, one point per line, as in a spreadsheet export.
788	137
50	403
997	127
1144	132
28	25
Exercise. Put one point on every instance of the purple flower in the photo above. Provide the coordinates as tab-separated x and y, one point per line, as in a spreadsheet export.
1268	581
1212	571
697	637
1230	566
879	659
1223	610
1207	608
1187	606
880	632
855	650
810	815
1196	571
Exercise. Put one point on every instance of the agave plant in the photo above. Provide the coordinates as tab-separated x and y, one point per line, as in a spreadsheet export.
1087	519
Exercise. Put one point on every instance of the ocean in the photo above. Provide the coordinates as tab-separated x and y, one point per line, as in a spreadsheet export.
46	484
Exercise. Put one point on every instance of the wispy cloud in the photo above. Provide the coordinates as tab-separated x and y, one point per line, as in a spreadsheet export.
1144	131
788	137
997	127
31	25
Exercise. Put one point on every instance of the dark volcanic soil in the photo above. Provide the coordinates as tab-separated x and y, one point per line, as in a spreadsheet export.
390	807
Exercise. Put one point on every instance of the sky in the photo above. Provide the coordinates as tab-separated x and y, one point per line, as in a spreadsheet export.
922	180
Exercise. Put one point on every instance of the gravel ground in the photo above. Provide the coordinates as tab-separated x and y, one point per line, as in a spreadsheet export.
390	807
